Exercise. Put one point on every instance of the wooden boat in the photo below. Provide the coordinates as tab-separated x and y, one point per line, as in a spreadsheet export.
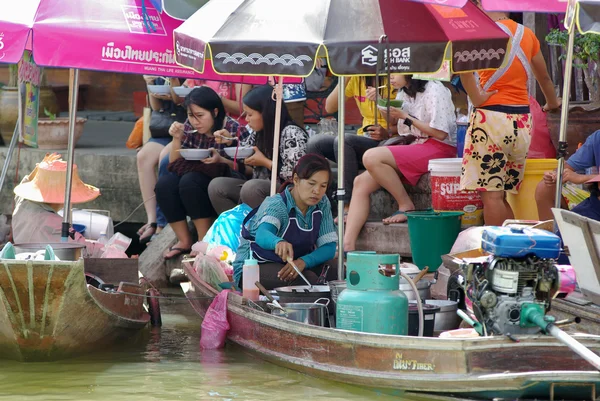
492	367
48	311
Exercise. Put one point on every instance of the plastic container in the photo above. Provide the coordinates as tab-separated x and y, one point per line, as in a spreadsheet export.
94	221
251	274
102	239
432	235
429	312
446	196
523	204
461	132
517	242
372	302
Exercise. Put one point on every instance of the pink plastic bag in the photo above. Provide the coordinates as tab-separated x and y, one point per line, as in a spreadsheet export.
215	325
541	145
568	280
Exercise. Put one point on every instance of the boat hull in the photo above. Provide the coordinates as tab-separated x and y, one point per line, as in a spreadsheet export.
482	367
48	312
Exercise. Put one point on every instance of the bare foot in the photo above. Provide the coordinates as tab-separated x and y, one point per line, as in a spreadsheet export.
396	218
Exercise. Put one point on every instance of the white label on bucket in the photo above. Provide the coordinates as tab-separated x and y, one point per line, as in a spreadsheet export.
470	208
428	317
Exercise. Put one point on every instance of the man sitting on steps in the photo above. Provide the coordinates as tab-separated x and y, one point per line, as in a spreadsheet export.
587	156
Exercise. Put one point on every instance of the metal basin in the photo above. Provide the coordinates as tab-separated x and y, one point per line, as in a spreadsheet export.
308	313
63	250
446	318
423	286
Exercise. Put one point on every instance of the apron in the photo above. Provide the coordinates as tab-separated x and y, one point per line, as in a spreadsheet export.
303	241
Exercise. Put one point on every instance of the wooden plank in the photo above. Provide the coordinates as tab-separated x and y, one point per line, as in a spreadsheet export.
113	271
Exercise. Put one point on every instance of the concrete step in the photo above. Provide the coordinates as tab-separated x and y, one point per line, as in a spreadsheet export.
375	236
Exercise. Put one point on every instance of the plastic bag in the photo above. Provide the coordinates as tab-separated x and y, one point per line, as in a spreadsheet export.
215	325
136	138
541	145
211	270
327	126
226	230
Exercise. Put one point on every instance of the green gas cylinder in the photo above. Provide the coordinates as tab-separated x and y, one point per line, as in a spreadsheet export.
372	301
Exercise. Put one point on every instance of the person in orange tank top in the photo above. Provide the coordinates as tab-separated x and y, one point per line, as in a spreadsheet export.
498	135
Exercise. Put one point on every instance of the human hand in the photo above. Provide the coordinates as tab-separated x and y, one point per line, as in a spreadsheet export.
257	159
284	250
319	63
176	130
483	97
550	178
371	93
222	135
378	133
215	157
161	96
552	107
288	273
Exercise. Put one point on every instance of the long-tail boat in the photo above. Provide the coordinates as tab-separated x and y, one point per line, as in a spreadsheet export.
534	366
48	310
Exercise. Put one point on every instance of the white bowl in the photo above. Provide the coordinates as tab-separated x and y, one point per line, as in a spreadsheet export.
194	154
182	91
242	152
159	89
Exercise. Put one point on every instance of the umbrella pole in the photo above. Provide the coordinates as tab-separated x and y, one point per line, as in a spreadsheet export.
564	119
13	141
73	92
278	91
341	192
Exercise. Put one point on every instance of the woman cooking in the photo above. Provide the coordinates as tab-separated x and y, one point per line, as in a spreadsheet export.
295	225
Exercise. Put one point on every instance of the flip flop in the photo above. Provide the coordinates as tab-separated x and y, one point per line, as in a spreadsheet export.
180	251
396	213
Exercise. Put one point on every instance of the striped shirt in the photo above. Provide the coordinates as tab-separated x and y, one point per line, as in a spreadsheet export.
274	211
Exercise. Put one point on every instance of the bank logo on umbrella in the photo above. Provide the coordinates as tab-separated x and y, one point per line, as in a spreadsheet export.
2	45
399	57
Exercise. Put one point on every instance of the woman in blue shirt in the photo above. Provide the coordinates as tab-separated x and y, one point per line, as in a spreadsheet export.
296	224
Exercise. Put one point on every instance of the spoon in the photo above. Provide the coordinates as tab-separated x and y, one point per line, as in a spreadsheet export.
291	262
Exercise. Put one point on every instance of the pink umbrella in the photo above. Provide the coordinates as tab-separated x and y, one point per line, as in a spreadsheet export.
111	35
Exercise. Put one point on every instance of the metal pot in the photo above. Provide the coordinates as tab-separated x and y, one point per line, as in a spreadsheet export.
423	286
309	313
63	250
446	318
304	294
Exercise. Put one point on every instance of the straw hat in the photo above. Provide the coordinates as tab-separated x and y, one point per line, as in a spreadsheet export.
47	184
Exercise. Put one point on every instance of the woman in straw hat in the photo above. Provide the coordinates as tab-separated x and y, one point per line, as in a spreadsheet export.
40	196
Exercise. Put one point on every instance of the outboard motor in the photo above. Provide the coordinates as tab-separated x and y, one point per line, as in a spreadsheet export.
517	281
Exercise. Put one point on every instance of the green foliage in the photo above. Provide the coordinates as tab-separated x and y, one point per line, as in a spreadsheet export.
586	47
50	115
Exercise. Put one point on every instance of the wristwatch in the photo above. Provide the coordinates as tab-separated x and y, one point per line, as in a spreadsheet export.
408	122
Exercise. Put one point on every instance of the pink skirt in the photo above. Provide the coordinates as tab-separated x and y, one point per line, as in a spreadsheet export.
413	160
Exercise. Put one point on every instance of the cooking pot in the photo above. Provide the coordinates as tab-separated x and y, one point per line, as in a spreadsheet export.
309	313
62	250
423	287
305	294
446	318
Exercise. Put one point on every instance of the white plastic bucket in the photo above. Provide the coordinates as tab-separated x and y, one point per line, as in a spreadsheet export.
445	193
95	221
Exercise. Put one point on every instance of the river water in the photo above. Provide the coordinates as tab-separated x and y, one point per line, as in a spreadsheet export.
166	364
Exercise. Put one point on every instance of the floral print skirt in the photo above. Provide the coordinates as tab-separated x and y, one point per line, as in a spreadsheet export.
496	146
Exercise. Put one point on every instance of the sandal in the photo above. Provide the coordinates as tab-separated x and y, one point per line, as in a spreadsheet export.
147	234
179	251
397	213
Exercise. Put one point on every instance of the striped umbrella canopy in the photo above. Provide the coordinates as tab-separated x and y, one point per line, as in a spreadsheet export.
284	37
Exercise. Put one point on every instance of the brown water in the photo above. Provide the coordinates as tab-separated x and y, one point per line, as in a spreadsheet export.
166	364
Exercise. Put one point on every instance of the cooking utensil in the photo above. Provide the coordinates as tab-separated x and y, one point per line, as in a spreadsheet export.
291	262
303	293
269	296
420	275
309	313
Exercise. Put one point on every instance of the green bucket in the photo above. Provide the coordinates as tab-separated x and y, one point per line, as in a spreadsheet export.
432	235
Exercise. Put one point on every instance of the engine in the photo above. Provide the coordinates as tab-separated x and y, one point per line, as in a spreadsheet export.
519	275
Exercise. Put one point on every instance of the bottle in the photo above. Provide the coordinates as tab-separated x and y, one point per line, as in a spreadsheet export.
251	274
102	239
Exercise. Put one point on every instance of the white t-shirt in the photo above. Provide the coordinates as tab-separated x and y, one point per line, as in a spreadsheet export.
433	106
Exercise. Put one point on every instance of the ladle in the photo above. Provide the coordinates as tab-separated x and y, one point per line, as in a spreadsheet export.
269	296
